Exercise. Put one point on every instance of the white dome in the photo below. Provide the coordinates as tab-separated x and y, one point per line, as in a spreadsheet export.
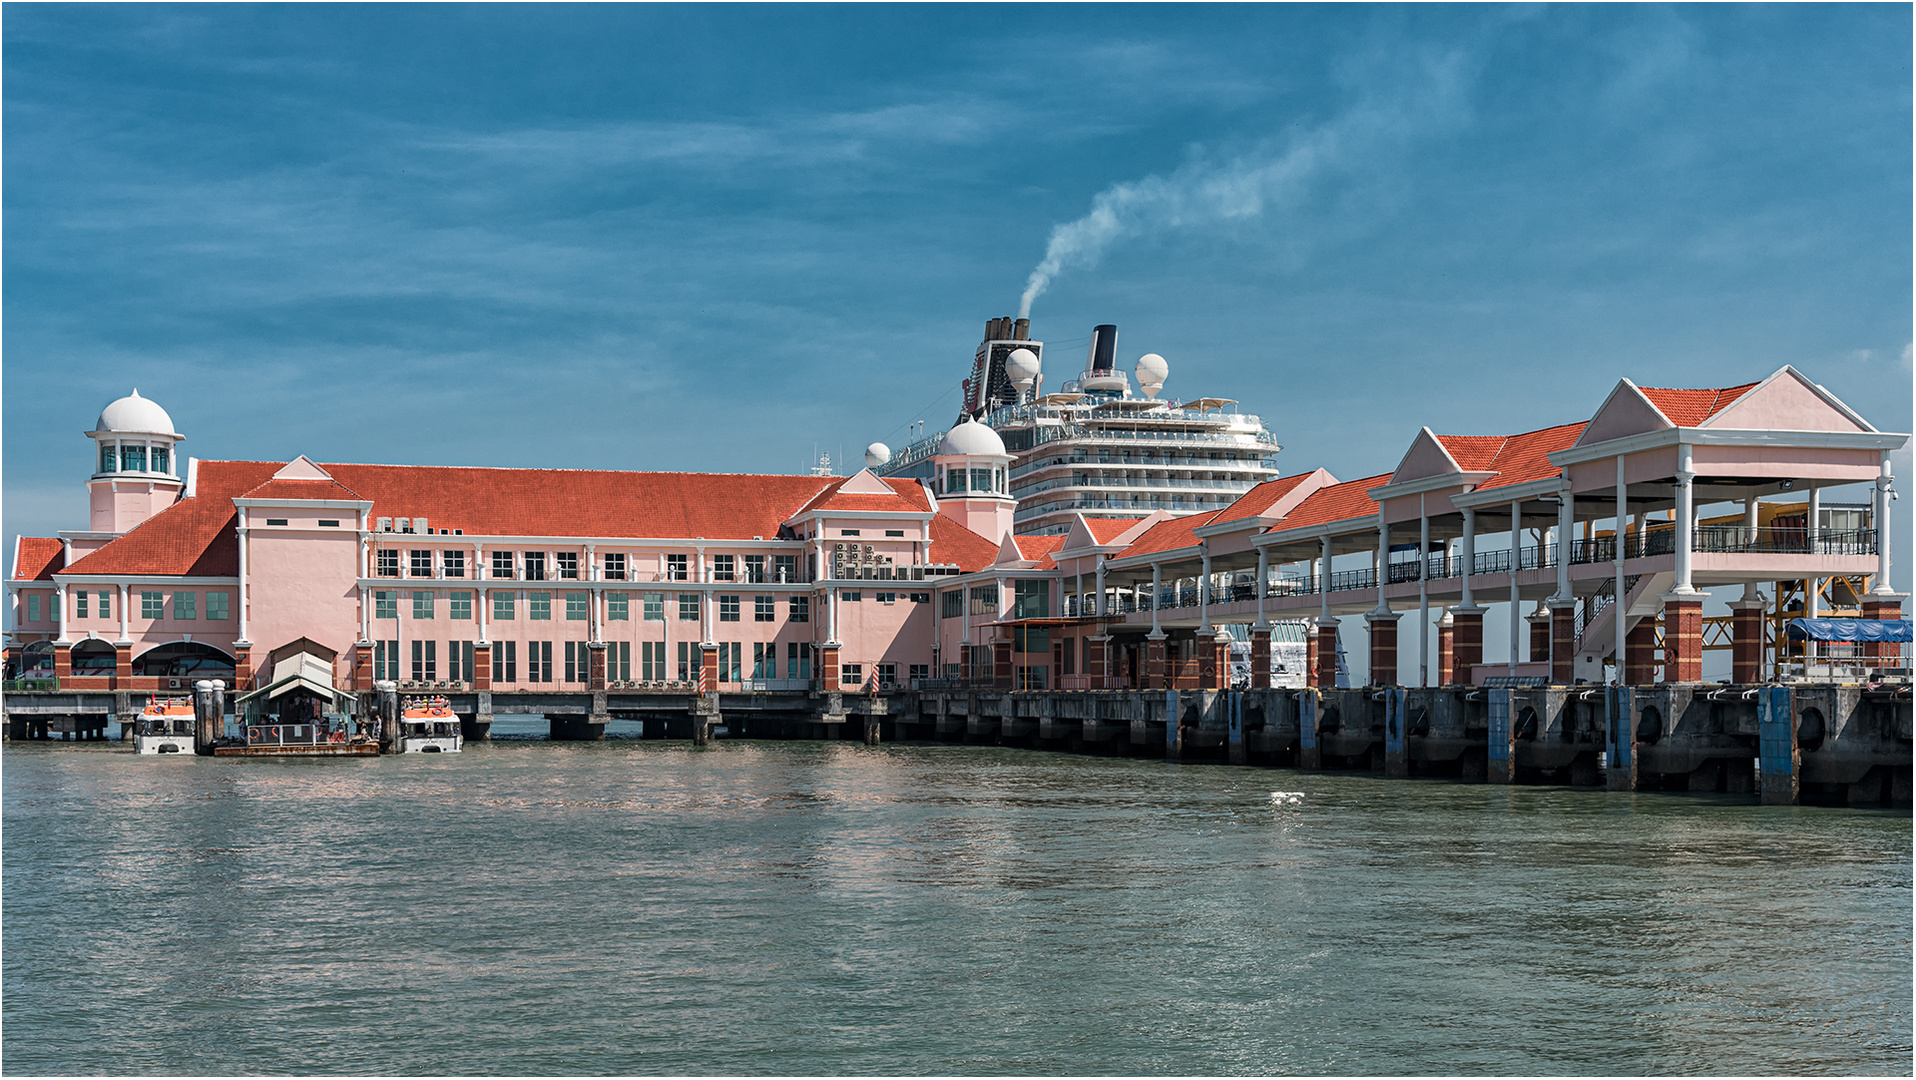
1151	370
135	415
972	439
877	454
1021	367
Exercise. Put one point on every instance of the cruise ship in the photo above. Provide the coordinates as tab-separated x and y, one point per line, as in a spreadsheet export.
1101	445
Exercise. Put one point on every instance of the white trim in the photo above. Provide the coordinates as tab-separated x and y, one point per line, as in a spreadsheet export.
1769	437
141	579
331	504
1332	529
1549	486
1428	484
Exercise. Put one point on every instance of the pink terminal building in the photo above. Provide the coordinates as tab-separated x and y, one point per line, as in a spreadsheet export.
1600	535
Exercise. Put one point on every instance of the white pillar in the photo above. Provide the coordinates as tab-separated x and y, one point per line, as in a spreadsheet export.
1884	489
1685	521
1813	603
1623	517
1566	536
1383	566
1324	578
241	598
1263	573
1423	594
124	594
1156	584
60	612
1469	556
1100	607
1204	590
1516	596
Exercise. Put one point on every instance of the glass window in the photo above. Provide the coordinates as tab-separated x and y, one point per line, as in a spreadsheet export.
984	599
955	482
755	568
452	564
459	606
109	458
538	607
675	568
505	661
388	563
33	608
785	567
132	458
616	607
764	609
655	607
502	564
688	607
159	459
851	674
652	661
421	564
1031	599
798	660
887	598
106	604
79	604
852	597
799	609
385	604
502	605
575	605
535	564
152	605
685	661
422	605
724	568
921	598
728	608
615	566
186	605
216	606
568	563
953	604
981	479
887	674
764	660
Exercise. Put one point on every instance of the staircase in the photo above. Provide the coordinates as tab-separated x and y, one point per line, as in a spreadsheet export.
1597	638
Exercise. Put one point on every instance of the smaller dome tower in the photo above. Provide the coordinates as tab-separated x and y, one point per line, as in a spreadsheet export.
972	479
136	464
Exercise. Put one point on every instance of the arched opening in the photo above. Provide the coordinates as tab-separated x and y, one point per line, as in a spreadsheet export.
93	657
1810	728
36	660
1650	726
1526	726
184	659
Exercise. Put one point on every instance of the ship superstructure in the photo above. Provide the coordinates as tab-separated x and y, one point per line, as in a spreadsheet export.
1098	445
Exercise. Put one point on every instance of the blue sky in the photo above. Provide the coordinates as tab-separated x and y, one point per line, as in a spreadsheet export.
726	238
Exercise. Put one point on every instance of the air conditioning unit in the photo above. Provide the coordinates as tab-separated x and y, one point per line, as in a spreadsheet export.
172	684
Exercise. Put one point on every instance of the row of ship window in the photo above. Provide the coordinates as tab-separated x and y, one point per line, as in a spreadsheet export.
422	662
567	566
153	605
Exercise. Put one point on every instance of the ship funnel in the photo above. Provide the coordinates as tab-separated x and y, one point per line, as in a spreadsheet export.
1104	348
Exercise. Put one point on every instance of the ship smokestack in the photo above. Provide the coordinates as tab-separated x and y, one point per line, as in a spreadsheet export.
1104	348
1021	330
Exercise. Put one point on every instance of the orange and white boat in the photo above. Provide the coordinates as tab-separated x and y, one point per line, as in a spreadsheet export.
429	726
165	726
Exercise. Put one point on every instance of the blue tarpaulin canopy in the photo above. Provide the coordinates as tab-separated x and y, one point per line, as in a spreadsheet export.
1849	629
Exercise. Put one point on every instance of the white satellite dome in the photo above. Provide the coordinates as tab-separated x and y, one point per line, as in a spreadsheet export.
972	439
1150	371
877	454
1021	367
135	415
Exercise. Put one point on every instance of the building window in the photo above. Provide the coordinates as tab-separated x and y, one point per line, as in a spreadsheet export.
920	671
575	605
502	605
624	661
538	661
798	609
688	607
215	606
459	606
764	660
755	569
33	607
887	674
654	607
851	674
798	660
385	604
675	568
538	608
159	459
186	605
894	532
388	563
329	523
848	532
724	568
953	604
852	597
617	607
615	566
535	564
577	665
79	604
984	599
422	605
505	662
132	459
385	660
955	482
981	480
568	563
502	565
420	564
652	661
921	598
452	564
764	609
425	661
459	661
275	521
731	660
728	608
785	567
1031	599
106	604
887	598
152	606
686	659
107	458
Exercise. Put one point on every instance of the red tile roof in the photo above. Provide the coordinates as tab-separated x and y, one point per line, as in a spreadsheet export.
1169	535
1105	530
1688	408
1261	498
193	536
1338	502
909	497
303	489
1473	453
953	543
1039	549
37	558
1523	458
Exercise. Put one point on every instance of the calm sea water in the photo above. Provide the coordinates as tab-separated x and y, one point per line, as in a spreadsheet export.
630	907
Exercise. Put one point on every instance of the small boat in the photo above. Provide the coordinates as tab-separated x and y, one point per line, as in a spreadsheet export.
165	726
429	726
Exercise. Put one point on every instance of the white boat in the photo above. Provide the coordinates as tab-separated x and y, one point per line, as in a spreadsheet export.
429	726
165	726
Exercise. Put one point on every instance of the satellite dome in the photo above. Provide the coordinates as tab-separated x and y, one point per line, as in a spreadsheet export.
877	454
1151	370
972	439
135	415
1021	367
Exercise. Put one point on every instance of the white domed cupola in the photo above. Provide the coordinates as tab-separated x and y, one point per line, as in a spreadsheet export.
972	478
136	468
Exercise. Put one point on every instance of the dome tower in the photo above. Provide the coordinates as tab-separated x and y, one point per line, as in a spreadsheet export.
136	467
971	481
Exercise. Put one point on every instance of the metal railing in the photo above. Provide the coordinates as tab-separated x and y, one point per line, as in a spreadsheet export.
1737	540
265	734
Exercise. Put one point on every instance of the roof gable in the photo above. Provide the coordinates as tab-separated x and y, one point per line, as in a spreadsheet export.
1625	412
1427	456
864	483
1786	401
1040	549
954	544
1337	502
37	558
302	468
1169	535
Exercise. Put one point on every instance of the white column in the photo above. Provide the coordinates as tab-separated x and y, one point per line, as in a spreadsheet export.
1566	536
1813	603
1469	556
1100	607
1324	578
1156	584
1884	496
1204	590
60	612
1516	563
1685	521
1383	566
1623	517
1263	574
241	598
1423	594
124	594
831	617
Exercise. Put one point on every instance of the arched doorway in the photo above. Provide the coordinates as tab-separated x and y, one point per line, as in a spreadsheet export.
93	657
185	660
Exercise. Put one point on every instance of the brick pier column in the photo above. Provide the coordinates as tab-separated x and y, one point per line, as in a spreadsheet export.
1154	663
1882	607
1466	642
63	662
1003	672
1683	639
1746	641
481	666
1214	662
1383	648
363	665
1639	653
1097	665
242	668
1260	657
828	666
1563	642
122	662
595	673
1539	636
1446	649
1324	664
